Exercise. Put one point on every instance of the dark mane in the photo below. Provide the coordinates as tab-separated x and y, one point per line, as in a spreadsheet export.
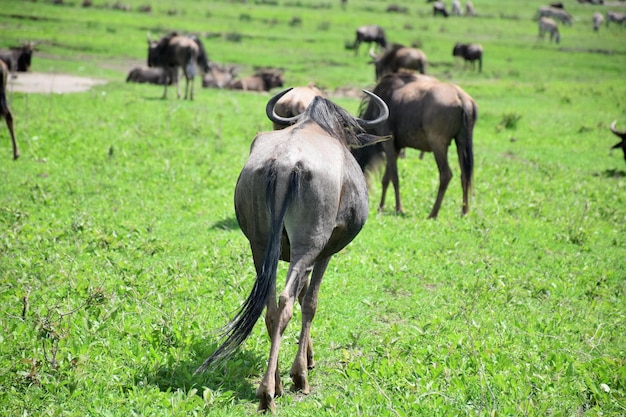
334	120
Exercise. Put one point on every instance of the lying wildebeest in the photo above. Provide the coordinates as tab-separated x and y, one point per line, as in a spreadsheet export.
456	8
369	34
295	102
597	20
622	136
549	25
469	9
262	80
154	75
399	57
470	52
424	114
173	51
555	13
439	8
301	197
18	58
5	112
617	17
219	76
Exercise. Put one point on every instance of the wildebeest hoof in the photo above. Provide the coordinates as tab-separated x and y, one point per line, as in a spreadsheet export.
266	403
300	384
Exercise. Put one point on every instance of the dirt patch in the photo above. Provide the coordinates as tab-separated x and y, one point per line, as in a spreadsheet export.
39	82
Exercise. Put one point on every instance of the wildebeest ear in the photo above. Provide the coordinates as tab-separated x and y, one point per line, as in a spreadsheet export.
365	139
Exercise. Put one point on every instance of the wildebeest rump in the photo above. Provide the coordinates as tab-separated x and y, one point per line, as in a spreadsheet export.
369	34
301	197
399	57
173	51
424	114
154	75
18	58
471	52
262	80
5	112
295	102
622	136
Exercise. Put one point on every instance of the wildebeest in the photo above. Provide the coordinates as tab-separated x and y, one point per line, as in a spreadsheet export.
469	9
439	8
622	136
424	114
262	80
5	112
597	20
301	197
470	52
18	59
173	51
549	25
154	75
617	17
556	13
557	5
295	102
369	34
456	8
219	76
399	57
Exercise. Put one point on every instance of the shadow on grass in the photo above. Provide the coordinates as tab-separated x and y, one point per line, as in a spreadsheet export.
226	224
612	173
231	377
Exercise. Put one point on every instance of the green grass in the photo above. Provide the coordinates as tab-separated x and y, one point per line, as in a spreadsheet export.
120	254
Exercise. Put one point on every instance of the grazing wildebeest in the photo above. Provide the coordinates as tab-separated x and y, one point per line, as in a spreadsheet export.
399	57
622	136
617	17
598	18
18	59
470	52
173	51
219	76
469	9
555	13
439	8
295	102
4	107
456	8
301	197
262	80
549	25
424	114
369	34
154	75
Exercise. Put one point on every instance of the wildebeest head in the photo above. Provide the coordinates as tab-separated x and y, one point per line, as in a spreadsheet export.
622	136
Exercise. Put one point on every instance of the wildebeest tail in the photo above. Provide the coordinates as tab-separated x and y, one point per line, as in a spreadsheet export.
203	57
464	141
241	326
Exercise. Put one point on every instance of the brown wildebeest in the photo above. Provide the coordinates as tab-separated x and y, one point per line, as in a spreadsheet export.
456	8
301	197
154	75
549	25
369	34
439	7
470	52
424	114
173	51
617	17
399	57
622	136
18	59
4	107
219	76
469	9
556	13
262	80
295	102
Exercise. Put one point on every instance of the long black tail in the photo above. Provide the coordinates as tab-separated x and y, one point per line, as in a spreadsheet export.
241	326
203	57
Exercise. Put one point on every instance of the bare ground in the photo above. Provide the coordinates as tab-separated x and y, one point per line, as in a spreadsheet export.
39	82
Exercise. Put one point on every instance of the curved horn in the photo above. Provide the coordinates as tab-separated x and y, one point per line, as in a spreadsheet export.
372	54
271	114
382	117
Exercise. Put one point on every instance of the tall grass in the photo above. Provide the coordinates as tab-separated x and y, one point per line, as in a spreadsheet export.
120	255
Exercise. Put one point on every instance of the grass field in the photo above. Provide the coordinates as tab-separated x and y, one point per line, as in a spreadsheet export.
121	258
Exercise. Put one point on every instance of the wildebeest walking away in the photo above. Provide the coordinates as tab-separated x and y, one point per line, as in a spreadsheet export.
301	197
369	34
5	112
470	52
622	136
424	114
399	57
173	51
549	25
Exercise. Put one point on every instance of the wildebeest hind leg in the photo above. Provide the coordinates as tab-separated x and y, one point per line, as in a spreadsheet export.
9	119
445	175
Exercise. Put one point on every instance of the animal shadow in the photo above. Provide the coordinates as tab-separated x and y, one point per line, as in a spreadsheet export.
226	224
613	173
